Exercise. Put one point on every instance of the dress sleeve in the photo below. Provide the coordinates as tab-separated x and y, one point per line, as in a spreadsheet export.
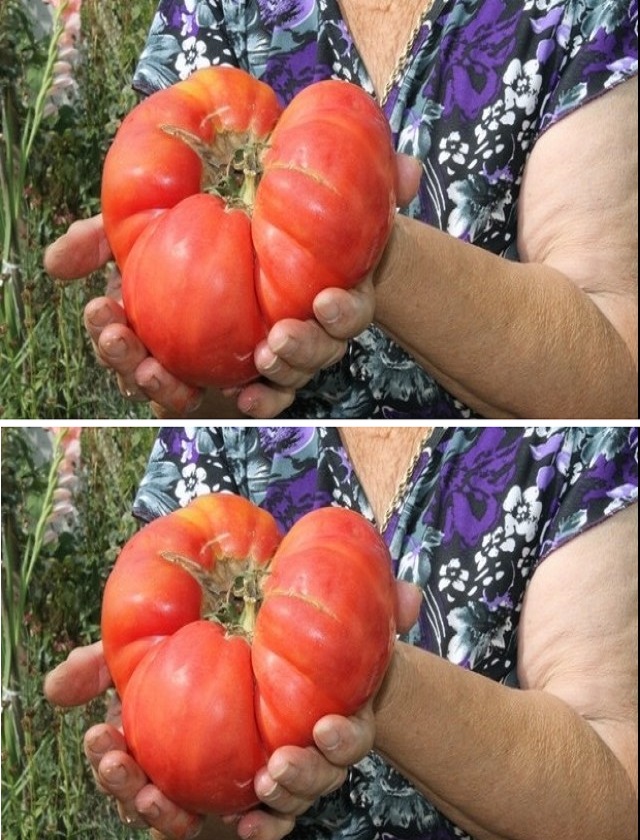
186	462
184	37
600	472
599	44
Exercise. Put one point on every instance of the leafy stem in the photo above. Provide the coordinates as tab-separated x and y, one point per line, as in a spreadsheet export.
231	594
231	164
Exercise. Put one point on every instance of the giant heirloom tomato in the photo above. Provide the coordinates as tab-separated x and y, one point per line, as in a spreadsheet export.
226	213
226	640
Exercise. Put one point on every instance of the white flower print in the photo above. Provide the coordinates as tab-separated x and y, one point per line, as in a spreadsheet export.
192	58
493	117
452	148
453	575
542	5
192	484
523	509
523	85
493	544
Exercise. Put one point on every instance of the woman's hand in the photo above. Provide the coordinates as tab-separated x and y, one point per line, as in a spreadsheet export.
292	780
287	359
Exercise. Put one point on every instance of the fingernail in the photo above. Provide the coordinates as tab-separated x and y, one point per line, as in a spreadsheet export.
194	831
283	344
326	738
100	316
100	743
115	774
267	361
193	403
327	311
247	832
247	405
268	791
115	348
282	771
151	813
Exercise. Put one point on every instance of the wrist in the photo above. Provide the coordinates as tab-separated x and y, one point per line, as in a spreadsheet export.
388	701
387	264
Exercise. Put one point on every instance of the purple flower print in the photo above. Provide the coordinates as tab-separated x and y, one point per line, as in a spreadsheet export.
284	12
476	56
471	495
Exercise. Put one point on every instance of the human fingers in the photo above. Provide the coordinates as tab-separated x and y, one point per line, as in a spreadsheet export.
139	803
100	313
344	741
294	351
345	313
118	348
79	251
115	771
408	601
295	777
99	741
408	174
167	820
265	825
262	400
80	678
118	775
170	396
139	376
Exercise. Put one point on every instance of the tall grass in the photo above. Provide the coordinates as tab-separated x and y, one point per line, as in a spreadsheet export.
50	167
51	593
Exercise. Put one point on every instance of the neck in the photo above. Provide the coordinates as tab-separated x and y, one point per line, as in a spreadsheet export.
383	459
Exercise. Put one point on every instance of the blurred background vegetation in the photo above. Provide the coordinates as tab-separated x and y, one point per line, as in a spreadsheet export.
65	74
66	501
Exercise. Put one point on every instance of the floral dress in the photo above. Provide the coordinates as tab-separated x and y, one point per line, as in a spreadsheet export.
483	508
483	80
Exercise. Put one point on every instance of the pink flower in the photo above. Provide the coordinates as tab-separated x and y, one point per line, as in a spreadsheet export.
64	513
63	86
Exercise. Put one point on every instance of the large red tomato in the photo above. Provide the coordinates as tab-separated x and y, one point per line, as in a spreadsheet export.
226	641
226	213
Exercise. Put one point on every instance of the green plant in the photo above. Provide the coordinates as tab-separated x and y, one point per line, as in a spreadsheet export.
47	789
19	564
21	122
47	365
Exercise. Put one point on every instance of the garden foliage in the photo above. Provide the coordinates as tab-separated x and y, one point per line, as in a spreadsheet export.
65	504
65	73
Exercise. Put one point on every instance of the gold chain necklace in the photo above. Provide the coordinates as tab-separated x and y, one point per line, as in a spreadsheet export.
405	55
403	486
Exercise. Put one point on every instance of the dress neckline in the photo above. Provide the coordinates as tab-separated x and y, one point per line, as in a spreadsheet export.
430	11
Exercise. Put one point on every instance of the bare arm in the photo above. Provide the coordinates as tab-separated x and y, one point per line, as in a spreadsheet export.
558	758
555	335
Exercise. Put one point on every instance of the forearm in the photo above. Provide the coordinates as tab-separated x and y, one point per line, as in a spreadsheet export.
508	339
503	764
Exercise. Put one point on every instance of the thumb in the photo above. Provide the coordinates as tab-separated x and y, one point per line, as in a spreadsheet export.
408	601
408	174
79	679
79	251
